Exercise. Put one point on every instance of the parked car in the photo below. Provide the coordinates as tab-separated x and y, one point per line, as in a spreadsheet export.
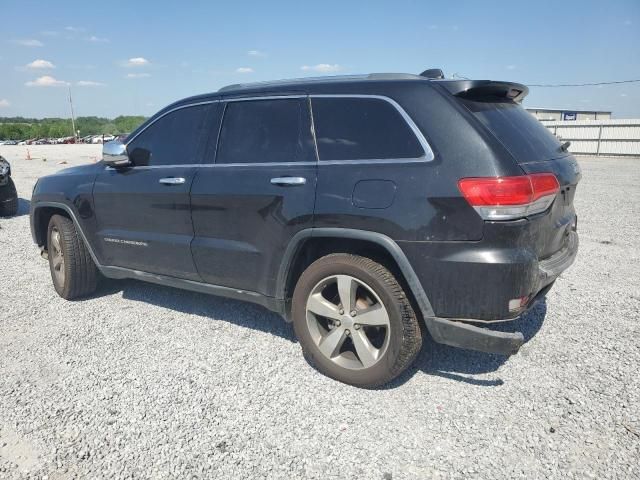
363	209
8	193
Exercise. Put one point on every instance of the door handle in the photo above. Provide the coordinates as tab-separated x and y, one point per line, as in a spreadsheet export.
172	181
288	181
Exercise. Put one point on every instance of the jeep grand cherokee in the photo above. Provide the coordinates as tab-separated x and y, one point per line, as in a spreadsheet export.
361	208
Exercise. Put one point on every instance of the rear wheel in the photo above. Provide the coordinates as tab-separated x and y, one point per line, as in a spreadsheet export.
354	321
73	272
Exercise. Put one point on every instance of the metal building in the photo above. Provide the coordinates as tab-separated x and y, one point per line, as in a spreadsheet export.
543	114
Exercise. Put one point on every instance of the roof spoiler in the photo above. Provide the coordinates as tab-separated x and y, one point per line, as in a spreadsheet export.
486	88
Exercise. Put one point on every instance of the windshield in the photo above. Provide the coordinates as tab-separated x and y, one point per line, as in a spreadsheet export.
519	131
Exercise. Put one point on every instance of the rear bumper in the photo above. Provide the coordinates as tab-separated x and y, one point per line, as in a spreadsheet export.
551	268
477	280
479	292
471	337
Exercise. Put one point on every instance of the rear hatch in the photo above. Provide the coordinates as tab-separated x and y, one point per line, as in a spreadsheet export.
536	150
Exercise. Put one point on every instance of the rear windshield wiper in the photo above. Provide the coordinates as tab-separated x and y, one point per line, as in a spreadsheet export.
565	146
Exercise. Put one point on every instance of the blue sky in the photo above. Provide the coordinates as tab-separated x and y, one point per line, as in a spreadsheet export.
135	57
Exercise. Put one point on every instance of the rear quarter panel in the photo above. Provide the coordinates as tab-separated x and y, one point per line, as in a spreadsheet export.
427	205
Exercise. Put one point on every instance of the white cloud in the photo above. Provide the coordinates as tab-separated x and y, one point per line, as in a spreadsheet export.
511	67
4	103
433	27
75	29
30	42
628	22
321	68
46	81
623	94
49	33
137	62
95	39
138	75
40	64
244	70
256	53
89	83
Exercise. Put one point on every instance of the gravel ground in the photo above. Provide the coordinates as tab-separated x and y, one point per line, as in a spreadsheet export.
150	382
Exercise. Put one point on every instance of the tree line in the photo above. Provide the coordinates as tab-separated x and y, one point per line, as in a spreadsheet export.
19	128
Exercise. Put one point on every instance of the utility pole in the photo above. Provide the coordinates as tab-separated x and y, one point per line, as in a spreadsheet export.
73	120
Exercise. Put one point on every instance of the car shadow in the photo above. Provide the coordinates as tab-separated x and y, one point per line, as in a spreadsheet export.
434	359
461	365
24	206
243	314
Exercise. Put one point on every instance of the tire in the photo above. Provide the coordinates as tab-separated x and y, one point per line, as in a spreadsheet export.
76	276
9	206
376	292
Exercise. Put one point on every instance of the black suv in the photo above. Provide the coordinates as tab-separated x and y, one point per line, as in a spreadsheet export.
8	193
358	207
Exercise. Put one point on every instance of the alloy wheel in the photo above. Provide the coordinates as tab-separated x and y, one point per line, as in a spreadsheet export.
57	256
348	322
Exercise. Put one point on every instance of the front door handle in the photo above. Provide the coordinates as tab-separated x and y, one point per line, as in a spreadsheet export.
172	181
288	181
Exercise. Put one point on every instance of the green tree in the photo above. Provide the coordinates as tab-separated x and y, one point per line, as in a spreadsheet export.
18	128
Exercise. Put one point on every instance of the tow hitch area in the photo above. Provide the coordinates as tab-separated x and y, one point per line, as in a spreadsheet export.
463	335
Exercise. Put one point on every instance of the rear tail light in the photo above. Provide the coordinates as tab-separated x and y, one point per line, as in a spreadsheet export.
508	198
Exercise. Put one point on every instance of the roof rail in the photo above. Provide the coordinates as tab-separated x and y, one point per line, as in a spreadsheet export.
328	78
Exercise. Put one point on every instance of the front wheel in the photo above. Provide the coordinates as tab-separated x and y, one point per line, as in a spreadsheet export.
73	272
354	321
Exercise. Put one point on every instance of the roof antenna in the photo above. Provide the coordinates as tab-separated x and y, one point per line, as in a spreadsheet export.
434	73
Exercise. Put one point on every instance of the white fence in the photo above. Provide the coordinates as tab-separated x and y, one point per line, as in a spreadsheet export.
599	137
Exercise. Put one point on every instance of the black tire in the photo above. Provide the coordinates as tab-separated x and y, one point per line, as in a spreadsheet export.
9	205
80	273
404	336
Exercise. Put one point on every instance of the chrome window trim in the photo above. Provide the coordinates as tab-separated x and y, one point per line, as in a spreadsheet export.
395	161
259	164
427	157
219	165
180	107
428	152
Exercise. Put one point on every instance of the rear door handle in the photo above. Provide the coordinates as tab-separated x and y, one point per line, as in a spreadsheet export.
288	181
172	181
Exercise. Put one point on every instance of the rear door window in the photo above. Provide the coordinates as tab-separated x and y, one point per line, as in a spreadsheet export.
362	129
266	131
521	133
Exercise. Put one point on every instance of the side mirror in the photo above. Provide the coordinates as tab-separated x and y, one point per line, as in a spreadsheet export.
114	154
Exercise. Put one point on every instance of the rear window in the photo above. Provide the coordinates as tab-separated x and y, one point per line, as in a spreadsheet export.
362	129
519	131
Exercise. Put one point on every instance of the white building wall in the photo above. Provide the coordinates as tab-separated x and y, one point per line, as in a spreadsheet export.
599	137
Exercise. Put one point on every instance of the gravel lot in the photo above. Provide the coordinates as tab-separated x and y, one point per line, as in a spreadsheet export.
149	382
